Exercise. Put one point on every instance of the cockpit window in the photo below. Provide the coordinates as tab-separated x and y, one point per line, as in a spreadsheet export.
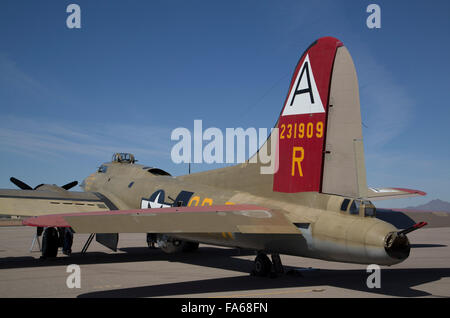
102	169
354	208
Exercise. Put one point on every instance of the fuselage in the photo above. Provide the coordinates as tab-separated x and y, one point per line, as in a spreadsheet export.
330	228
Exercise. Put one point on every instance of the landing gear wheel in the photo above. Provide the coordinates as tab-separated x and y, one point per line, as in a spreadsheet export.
151	240
50	242
263	265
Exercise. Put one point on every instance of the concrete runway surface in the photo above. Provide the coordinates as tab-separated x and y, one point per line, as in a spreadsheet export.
212	272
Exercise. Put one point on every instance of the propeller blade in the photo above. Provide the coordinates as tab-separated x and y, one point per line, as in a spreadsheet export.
20	184
69	185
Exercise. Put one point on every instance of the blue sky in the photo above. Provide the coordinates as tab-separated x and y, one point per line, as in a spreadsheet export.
136	70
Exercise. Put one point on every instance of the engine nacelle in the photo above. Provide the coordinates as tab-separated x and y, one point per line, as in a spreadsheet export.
172	245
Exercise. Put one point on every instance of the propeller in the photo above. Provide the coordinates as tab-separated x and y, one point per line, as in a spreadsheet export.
22	185
69	185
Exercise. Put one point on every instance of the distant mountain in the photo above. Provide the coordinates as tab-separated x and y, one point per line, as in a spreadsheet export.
434	205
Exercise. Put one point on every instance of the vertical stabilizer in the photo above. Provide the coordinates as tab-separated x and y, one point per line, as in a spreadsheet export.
344	171
319	141
302	123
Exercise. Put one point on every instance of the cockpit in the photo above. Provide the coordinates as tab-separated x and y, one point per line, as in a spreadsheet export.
363	208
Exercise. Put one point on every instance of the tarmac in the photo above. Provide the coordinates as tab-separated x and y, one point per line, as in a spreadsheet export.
212	272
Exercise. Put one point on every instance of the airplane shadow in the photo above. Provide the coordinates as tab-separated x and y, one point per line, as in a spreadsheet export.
395	282
206	256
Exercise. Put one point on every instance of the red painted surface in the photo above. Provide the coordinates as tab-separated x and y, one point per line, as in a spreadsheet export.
419	225
46	221
411	191
321	56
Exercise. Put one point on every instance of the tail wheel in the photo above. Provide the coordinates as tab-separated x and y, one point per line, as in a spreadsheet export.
263	265
50	242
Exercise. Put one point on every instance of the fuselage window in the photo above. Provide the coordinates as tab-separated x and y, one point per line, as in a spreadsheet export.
369	209
102	169
354	208
344	205
158	172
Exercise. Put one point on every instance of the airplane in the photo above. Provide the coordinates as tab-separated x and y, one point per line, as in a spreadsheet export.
315	204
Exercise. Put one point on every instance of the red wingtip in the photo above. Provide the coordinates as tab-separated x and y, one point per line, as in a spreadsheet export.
46	221
411	191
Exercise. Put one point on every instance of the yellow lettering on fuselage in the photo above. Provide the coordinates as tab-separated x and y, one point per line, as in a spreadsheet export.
297	160
195	200
207	201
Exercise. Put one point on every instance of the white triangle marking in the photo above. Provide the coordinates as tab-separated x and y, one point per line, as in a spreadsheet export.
304	97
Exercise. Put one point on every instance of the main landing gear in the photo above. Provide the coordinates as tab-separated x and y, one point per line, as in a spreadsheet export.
264	267
53	238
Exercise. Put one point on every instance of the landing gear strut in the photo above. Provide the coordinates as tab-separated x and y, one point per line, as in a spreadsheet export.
264	267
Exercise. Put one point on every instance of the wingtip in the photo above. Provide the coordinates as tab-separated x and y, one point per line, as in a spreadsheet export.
46	221
412	191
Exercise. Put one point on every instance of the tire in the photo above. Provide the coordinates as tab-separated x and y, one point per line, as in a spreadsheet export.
50	242
151	240
263	265
67	241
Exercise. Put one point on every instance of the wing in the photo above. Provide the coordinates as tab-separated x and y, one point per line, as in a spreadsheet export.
392	193
40	202
206	219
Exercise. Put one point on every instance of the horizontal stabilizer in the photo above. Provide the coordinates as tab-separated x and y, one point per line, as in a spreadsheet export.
392	193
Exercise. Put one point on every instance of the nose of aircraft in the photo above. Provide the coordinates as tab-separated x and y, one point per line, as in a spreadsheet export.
397	245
